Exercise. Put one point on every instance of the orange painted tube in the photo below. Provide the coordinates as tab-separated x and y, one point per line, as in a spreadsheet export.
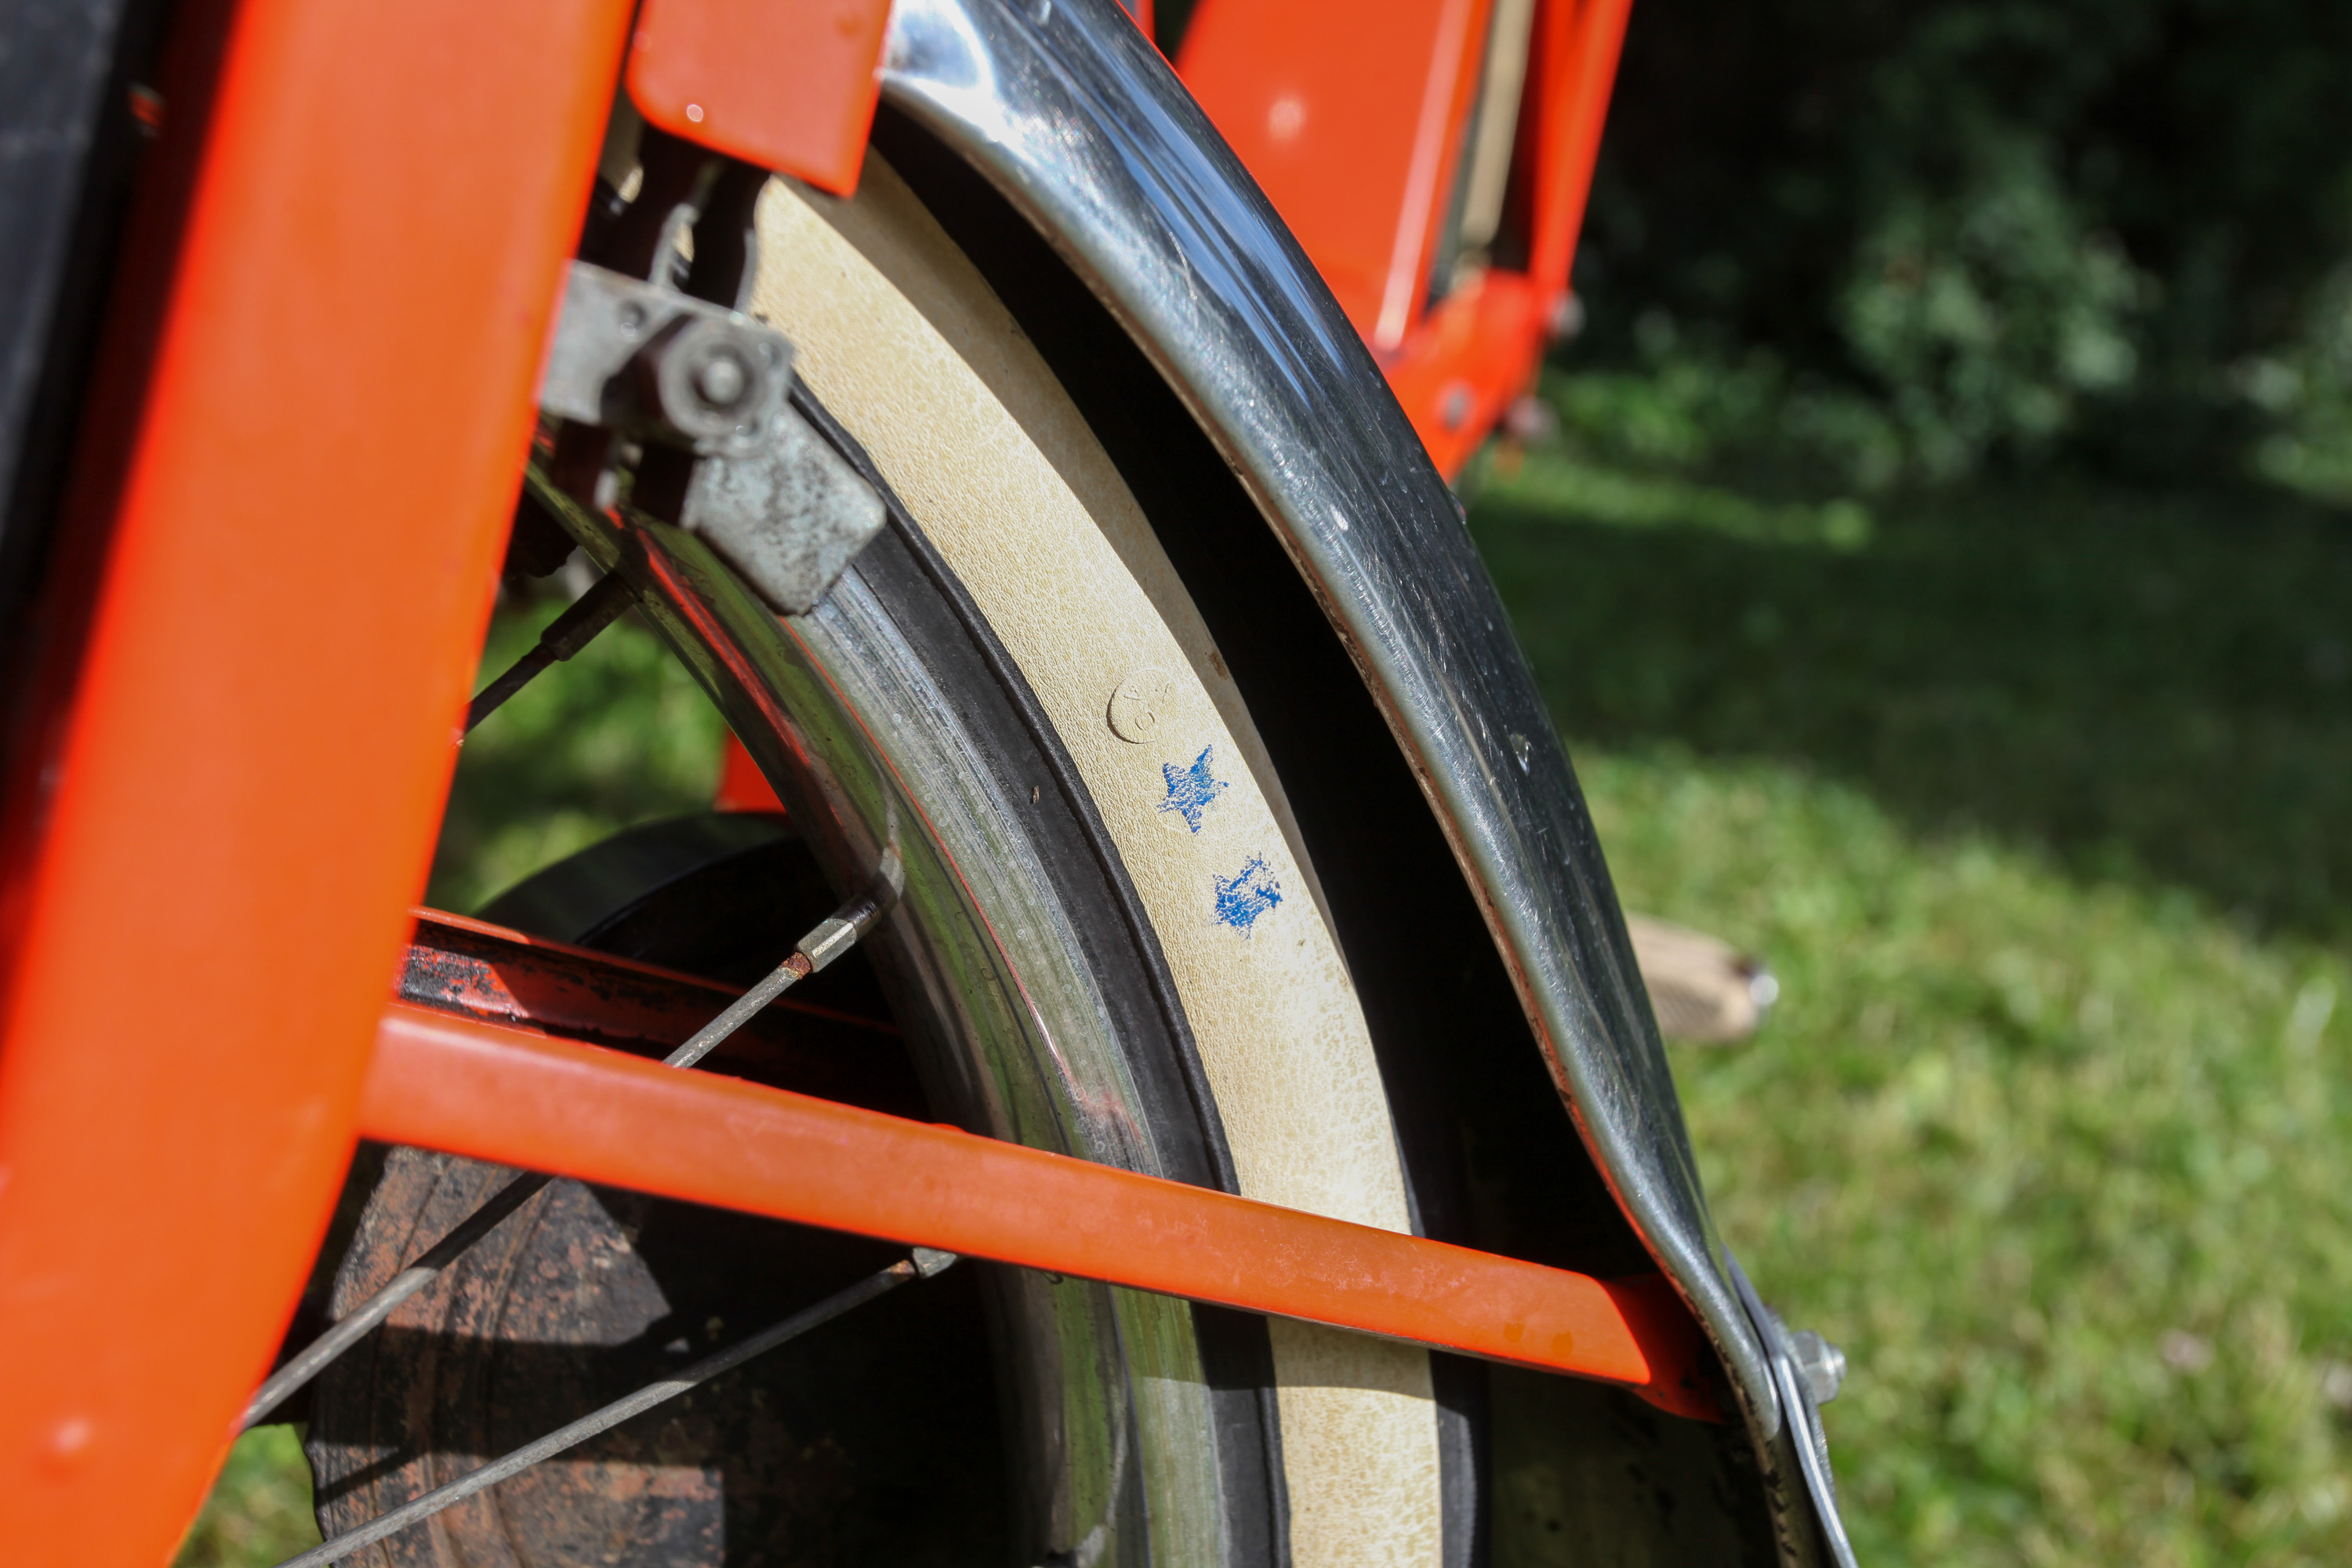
520	1099
1581	40
273	575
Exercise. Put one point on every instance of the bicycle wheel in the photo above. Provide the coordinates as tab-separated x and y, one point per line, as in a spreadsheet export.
1113	940
1110	941
1043	533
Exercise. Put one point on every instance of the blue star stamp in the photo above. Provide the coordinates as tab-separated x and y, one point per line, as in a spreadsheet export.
1247	894
1190	790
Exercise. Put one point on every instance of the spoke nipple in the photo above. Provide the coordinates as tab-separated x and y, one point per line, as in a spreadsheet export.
828	942
929	1260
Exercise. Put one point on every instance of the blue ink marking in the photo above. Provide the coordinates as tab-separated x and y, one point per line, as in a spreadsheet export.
1247	894
1190	790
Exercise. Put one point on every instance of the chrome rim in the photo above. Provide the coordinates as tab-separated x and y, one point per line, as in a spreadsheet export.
1123	1442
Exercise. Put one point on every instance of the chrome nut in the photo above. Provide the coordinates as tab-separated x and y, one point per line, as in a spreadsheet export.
1820	1364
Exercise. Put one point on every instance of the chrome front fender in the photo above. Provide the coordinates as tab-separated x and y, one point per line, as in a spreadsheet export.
1067	109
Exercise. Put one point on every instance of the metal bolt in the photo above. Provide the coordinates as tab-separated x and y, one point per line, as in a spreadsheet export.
1454	411
721	379
1820	1363
707	378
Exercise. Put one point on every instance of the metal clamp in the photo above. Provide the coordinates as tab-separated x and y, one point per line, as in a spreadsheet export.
1798	1375
768	494
789	517
651	362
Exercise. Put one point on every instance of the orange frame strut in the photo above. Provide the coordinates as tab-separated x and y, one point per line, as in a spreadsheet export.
289	513
1352	115
517	1098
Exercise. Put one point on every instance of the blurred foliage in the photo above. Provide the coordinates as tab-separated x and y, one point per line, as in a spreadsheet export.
619	735
2038	800
259	1510
2148	686
1940	231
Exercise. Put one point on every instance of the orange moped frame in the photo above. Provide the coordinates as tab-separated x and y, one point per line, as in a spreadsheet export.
227	791
225	788
1432	157
342	265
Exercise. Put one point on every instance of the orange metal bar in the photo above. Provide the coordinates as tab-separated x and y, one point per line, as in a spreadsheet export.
1351	117
1314	96
1448	94
455	965
516	1097
742	785
1579	42
291	550
786	84
1459	368
1466	361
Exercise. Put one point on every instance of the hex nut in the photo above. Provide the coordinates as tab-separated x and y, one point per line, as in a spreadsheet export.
1820	1364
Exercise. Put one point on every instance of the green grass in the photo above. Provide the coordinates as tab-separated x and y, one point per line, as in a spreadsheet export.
2039	803
2039	799
619	735
259	1512
2149	689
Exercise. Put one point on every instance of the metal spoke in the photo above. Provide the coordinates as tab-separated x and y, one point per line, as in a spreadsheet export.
322	1353
827	942
924	1263
570	632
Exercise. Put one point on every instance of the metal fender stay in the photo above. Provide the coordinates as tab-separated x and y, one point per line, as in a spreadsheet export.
485	1087
1068	110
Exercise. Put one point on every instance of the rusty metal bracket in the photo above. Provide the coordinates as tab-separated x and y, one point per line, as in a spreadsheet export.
770	497
644	359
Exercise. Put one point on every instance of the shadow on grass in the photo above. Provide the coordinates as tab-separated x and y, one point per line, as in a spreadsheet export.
2144	686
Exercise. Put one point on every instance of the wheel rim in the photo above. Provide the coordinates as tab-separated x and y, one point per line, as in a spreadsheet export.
1123	1443
807	1456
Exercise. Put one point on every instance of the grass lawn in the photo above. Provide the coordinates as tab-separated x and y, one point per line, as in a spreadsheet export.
2039	800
